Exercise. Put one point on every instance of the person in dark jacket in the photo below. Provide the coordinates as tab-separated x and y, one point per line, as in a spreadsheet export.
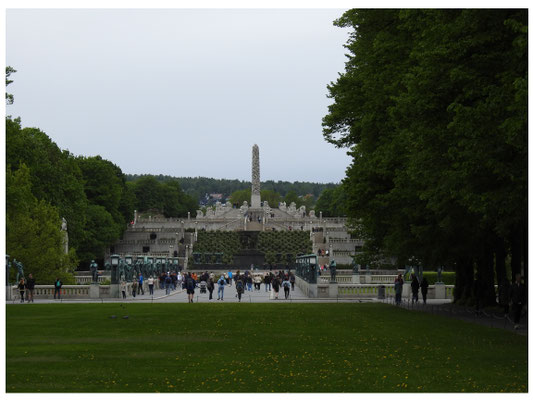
30	286
424	289
210	287
190	284
414	287
275	286
57	288
292	280
21	287
518	298
239	285
398	287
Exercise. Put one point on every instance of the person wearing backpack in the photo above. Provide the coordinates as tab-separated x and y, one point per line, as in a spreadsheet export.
221	283
190	284
239	285
286	287
57	288
293	280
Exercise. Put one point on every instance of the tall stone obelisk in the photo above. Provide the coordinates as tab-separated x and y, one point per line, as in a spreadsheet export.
256	189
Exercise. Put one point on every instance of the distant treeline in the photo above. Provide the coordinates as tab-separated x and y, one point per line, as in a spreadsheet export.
199	186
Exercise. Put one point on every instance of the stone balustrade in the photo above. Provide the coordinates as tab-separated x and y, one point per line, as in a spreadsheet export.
87	280
67	292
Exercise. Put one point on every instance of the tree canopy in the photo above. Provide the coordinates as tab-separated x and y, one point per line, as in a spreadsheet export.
433	108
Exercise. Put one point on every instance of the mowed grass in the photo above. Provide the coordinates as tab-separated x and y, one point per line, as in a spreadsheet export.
255	348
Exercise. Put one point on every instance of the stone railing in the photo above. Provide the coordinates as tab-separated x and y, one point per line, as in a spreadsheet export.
87	280
47	292
363	278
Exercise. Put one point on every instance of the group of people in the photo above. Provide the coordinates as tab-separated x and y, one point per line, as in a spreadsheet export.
415	286
26	288
137	286
243	282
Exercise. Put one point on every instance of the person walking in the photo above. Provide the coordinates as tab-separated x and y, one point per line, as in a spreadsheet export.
22	287
150	282
414	287
230	276
275	287
210	287
57	288
141	282
398	287
518	298
123	288
239	286
134	285
190	285
30	286
286	287
292	279
221	283
424	288
168	284
268	279
249	282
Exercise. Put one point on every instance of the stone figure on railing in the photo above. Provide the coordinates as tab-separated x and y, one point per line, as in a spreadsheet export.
109	267
312	214
301	211
121	270
20	269
355	267
199	214
94	271
283	206
439	273
137	268
333	271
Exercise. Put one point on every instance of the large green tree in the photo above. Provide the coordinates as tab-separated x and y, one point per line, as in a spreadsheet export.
433	108
33	232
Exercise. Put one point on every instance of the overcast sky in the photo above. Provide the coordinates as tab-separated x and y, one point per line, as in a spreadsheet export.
182	92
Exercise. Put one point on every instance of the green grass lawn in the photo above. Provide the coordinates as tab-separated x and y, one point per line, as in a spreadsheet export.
255	348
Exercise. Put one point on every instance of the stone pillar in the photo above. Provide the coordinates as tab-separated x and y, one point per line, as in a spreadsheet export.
333	289
256	188
94	290
440	291
188	215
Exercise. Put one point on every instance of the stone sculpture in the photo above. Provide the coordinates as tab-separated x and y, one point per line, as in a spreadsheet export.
94	271
20	269
256	186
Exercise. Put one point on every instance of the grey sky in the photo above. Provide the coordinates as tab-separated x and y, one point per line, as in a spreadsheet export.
182	92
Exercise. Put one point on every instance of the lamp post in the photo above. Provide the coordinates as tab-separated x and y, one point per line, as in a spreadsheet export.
115	259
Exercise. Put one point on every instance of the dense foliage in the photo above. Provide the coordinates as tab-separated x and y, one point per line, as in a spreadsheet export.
433	107
198	187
